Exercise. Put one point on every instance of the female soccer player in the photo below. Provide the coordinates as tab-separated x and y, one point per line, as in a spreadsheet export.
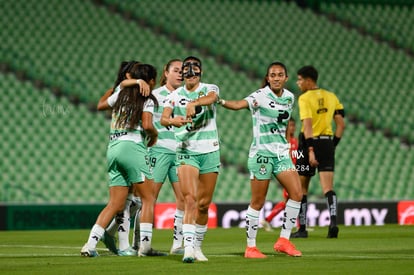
163	154
191	109
132	131
122	220
271	107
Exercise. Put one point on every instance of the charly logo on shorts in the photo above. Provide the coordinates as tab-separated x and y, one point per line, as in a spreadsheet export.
263	170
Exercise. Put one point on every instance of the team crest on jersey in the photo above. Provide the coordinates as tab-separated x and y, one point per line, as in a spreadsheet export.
263	170
200	94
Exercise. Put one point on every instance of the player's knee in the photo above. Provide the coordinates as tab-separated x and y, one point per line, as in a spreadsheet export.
203	206
257	204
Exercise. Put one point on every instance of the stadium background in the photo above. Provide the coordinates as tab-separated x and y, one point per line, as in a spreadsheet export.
58	58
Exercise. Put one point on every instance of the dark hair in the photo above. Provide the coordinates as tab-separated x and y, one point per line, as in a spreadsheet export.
130	103
192	58
124	68
276	63
308	72
163	78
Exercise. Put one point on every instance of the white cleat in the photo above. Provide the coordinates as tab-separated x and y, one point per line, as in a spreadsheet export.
266	226
188	255
87	252
199	256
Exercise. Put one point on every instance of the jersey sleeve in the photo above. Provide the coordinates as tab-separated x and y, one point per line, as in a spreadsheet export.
252	100
304	109
338	105
149	106
114	97
211	88
169	101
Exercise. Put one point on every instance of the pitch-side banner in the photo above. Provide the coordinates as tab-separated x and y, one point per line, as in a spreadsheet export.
349	213
40	217
406	212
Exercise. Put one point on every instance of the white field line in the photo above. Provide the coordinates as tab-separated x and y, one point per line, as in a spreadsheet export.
77	254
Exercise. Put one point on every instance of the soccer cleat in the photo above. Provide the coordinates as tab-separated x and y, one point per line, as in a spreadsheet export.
299	234
189	256
86	252
285	246
254	253
177	251
109	242
266	226
128	252
199	256
151	253
333	232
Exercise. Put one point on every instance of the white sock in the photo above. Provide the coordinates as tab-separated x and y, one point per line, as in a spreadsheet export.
145	236
95	235
178	229
189	233
289	220
252	224
123	229
200	232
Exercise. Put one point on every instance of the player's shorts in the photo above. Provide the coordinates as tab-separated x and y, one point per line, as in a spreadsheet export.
205	163
163	165
263	167
127	163
324	152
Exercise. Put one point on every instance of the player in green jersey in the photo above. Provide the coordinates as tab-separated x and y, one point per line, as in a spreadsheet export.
191	109
271	108
132	131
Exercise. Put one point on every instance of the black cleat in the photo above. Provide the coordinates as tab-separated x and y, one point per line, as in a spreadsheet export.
109	242
299	234
152	253
333	232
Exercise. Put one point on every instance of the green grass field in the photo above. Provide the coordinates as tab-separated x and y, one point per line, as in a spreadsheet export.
358	250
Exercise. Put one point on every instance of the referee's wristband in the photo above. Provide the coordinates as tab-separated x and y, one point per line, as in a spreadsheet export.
336	140
309	142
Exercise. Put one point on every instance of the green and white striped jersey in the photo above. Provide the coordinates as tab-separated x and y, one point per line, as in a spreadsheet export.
137	135
270	116
201	135
166	139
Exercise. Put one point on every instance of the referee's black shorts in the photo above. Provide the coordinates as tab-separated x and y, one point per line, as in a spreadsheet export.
324	152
